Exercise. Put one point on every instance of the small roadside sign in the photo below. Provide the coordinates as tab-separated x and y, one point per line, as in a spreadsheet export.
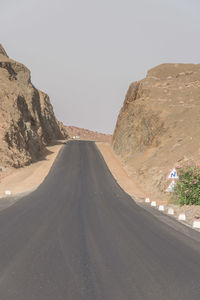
171	187
173	174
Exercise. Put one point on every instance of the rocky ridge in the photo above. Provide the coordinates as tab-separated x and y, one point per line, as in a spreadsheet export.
27	120
158	126
85	134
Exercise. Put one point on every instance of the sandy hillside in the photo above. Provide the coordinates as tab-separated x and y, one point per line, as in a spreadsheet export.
85	134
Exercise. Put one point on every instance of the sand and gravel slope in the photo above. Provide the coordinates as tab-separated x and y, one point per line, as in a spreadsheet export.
28	178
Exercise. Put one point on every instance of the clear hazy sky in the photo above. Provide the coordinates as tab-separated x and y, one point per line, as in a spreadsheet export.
85	53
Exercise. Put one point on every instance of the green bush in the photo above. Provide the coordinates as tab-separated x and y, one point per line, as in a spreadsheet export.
187	189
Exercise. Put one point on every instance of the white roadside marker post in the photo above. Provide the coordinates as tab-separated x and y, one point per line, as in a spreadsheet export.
8	193
182	217
153	203
196	224
170	211
161	208
147	200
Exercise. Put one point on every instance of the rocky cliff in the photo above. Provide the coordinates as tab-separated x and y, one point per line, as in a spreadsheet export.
27	120
158	126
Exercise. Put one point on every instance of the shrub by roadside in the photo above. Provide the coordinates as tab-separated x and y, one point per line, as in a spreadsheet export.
187	190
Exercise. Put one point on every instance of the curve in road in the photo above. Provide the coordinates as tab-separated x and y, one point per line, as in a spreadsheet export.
80	236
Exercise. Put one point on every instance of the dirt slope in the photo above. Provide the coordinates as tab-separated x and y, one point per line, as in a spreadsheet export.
86	134
27	120
158	126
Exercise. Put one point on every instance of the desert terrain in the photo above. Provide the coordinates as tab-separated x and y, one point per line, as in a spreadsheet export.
27	120
85	134
73	197
158	126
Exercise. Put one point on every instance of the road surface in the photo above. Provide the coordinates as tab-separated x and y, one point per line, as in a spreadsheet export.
80	237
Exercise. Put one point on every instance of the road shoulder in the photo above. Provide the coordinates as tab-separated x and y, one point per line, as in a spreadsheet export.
22	181
129	185
134	189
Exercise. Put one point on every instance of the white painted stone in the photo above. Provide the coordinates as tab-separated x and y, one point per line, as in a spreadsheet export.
8	192
161	208
182	217
153	203
147	200
170	211
196	224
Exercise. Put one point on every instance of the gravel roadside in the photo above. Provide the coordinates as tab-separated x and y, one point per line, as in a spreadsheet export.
134	188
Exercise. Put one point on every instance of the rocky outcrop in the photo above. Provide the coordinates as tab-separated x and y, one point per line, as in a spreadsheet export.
158	125
27	120
2	51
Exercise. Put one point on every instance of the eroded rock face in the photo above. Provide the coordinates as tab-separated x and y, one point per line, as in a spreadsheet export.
158	125
27	120
2	51
138	126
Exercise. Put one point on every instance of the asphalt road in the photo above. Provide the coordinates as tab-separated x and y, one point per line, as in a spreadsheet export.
79	236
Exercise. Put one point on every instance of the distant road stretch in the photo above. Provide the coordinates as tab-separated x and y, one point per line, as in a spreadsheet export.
80	237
